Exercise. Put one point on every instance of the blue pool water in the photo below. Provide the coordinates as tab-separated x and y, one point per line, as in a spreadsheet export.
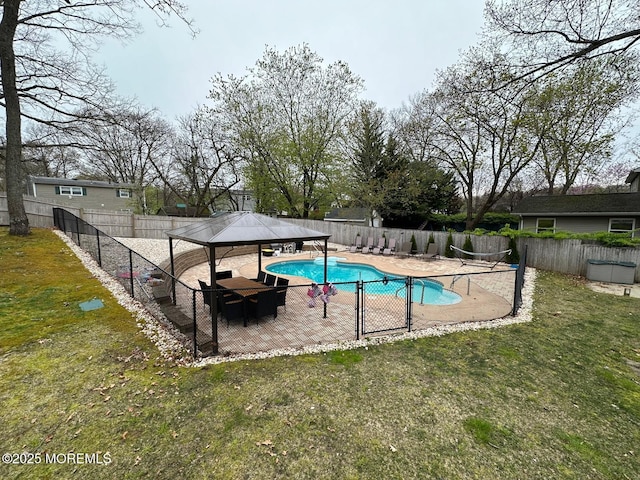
424	290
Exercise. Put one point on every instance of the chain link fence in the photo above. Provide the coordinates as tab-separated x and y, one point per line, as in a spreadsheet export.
212	324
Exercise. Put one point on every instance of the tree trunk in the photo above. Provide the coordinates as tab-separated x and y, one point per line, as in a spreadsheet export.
18	221
469	221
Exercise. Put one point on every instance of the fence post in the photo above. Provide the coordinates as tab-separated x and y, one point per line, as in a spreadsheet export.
131	272
62	223
195	324
519	282
78	230
358	288
99	251
409	303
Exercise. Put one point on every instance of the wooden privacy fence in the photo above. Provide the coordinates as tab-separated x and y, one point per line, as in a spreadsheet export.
563	256
115	224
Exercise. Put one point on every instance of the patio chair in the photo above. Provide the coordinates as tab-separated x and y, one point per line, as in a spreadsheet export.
356	246
269	280
391	248
432	251
369	246
380	247
224	274
232	307
260	277
282	286
206	292
263	304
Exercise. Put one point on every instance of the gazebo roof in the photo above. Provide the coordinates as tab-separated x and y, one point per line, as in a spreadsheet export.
244	228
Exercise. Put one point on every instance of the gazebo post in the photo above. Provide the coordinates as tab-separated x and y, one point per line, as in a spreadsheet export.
214	300
259	259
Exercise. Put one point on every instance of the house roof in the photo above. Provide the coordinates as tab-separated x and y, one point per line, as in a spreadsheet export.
580	205
77	183
244	228
346	214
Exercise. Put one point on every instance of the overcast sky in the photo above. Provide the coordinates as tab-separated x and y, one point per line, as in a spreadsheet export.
394	46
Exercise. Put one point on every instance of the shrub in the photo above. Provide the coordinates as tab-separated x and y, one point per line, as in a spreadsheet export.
467	247
447	248
414	245
514	256
603	238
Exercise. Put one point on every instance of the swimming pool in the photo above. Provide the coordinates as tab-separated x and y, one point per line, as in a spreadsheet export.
344	276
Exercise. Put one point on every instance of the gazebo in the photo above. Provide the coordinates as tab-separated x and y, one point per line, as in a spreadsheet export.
240	228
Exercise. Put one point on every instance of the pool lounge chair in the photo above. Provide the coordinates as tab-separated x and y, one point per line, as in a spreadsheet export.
432	252
380	247
391	248
369	246
404	250
356	246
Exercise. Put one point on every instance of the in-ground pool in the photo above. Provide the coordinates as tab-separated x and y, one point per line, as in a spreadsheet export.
344	275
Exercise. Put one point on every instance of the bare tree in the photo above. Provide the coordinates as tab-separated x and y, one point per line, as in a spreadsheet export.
45	50
48	151
134	147
205	162
480	132
576	114
547	35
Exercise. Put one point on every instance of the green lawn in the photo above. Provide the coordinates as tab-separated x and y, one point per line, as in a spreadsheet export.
552	399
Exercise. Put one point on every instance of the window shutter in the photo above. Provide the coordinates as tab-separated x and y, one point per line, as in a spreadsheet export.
84	191
117	193
57	190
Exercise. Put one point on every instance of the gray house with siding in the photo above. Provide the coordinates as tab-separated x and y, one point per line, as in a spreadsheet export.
606	212
92	194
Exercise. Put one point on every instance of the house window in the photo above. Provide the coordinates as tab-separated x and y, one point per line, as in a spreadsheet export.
621	225
71	191
122	193
546	225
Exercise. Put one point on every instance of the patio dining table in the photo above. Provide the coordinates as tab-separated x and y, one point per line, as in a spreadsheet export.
245	287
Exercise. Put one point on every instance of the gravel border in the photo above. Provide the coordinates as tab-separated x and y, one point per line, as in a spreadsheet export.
173	345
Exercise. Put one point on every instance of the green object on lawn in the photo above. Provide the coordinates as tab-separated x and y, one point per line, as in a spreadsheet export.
91	305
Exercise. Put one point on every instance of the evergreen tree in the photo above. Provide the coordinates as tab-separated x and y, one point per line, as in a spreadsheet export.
414	245
447	248
514	256
467	247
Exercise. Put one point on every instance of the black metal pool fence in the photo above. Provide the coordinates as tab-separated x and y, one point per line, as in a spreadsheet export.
358	310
